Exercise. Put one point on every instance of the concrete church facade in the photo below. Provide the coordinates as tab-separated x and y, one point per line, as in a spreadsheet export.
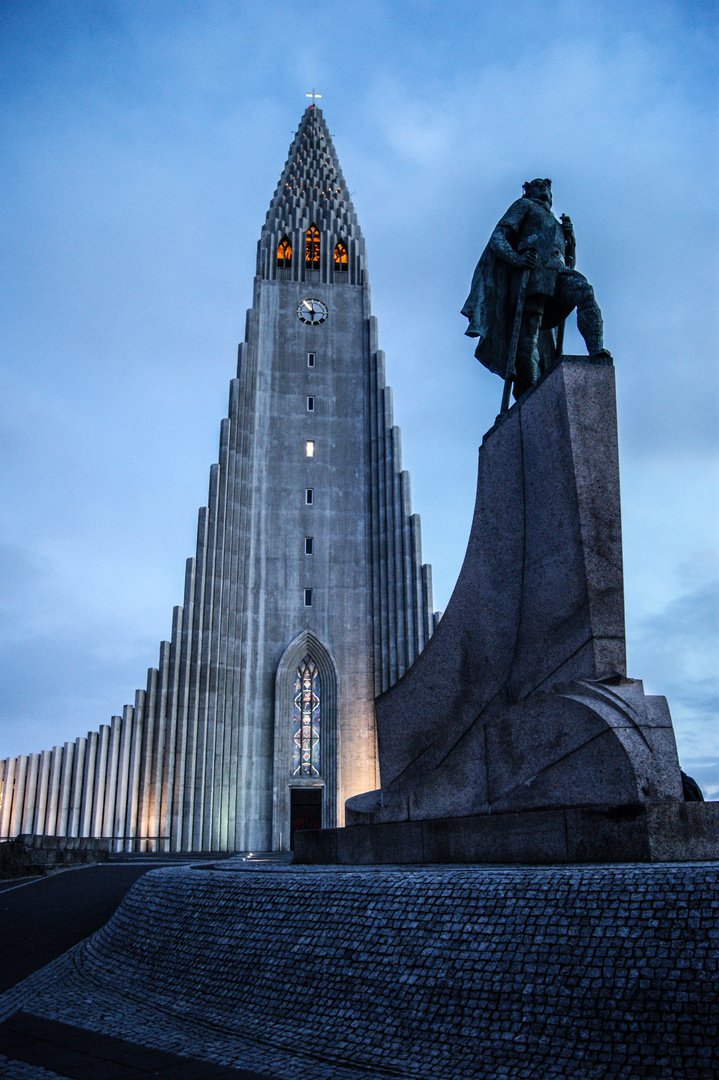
307	596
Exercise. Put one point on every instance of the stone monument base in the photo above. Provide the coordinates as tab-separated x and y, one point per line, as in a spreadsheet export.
658	832
517	736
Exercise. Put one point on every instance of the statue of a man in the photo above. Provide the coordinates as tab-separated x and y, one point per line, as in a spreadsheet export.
530	236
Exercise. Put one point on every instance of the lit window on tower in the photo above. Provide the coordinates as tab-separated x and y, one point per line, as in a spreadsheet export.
306	720
312	249
340	256
284	254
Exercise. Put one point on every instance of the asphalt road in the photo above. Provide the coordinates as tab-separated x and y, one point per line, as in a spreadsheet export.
41	918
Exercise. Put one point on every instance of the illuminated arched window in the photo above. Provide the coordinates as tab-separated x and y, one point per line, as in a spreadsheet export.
340	256
306	720
312	250
284	253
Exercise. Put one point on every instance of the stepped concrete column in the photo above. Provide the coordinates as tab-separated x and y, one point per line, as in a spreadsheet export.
53	793
88	785
135	763
78	770
148	765
99	797
63	807
123	778
42	788
30	793
18	807
7	797
113	758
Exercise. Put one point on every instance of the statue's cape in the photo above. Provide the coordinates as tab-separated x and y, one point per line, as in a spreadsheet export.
490	304
489	310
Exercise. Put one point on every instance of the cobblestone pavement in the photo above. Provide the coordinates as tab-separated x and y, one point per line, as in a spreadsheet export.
316	973
20	1070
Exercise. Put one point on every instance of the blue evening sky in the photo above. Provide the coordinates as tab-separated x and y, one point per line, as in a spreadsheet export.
143	140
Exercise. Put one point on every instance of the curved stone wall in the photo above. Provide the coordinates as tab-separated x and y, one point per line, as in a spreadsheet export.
431	972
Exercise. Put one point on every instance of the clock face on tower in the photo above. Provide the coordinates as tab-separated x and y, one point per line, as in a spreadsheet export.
312	311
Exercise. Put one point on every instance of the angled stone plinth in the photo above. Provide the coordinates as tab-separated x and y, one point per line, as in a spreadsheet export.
520	704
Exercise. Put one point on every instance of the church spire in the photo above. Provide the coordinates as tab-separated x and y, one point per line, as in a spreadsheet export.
312	194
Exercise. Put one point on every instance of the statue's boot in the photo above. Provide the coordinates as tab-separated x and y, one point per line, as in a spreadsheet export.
590	325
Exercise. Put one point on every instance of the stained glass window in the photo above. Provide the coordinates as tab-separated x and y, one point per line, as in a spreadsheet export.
312	250
306	720
340	256
284	253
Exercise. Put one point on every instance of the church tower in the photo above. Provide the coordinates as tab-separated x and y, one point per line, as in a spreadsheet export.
307	596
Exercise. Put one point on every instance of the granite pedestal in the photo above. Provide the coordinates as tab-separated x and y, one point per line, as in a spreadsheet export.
517	735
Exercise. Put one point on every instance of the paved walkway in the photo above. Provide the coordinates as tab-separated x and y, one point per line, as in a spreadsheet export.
43	917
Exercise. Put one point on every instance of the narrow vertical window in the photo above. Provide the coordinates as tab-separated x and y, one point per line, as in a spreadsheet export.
310	359
310	404
340	256
312	249
308	597
310	448
309	496
284	254
306	720
309	545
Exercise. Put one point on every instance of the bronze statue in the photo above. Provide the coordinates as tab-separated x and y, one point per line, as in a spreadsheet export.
526	276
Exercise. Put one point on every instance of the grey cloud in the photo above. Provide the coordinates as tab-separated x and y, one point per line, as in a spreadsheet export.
676	652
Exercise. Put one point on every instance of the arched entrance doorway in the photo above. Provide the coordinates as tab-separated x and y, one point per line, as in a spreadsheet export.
305	757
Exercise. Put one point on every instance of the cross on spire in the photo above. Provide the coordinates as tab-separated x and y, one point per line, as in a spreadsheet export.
313	95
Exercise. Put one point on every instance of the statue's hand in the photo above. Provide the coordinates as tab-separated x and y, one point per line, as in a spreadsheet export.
529	258
567	224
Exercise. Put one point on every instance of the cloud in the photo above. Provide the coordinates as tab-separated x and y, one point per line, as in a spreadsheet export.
706	774
57	686
675	651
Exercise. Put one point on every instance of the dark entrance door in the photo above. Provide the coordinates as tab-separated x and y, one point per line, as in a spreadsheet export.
305	810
